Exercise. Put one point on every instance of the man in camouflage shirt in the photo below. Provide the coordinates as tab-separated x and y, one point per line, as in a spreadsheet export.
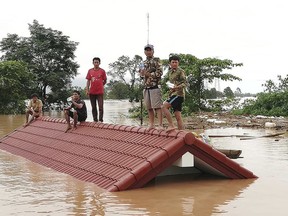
151	75
177	79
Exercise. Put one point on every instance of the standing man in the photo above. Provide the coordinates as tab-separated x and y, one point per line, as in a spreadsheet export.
96	79
77	110
151	74
34	109
177	78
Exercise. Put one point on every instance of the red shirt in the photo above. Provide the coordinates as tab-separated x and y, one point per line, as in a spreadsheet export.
97	80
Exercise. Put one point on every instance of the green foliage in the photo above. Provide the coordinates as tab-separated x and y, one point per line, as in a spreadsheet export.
238	92
281	86
228	93
48	53
215	105
199	71
272	102
62	95
15	80
212	93
118	90
138	112
268	104
82	92
125	71
223	104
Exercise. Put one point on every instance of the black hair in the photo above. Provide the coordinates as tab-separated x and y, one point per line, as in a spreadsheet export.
97	58
174	57
34	95
77	92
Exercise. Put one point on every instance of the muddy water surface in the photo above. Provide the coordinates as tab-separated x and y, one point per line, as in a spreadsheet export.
27	188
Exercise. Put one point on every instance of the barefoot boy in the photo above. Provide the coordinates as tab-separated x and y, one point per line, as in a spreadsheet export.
34	109
176	94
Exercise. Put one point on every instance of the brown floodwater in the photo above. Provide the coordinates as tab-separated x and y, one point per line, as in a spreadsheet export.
27	188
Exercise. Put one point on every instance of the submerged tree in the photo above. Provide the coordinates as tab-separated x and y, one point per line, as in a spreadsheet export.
117	90
48	53
228	92
125	70
238	92
14	83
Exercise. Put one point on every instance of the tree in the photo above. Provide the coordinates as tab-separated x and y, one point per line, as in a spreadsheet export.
228	92
14	83
125	70
212	93
269	104
272	102
238	92
270	86
118	90
200	70
281	86
48	53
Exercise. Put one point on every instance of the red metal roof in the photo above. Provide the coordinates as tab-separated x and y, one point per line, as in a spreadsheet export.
115	157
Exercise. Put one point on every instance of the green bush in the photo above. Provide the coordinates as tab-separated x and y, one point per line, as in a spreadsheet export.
268	104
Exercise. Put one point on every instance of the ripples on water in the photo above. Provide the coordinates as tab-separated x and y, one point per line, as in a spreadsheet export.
27	188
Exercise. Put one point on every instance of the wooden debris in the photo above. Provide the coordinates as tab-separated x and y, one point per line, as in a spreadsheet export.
264	136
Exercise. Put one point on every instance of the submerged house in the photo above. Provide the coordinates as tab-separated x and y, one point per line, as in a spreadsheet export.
117	157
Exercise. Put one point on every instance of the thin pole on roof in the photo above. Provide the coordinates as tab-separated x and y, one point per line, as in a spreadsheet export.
147	28
141	101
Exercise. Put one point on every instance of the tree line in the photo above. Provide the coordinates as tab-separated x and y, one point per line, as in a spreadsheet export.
46	61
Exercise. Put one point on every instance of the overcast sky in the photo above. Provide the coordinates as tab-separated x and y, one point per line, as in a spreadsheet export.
250	32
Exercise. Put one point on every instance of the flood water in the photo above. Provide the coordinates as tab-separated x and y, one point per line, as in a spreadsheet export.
27	188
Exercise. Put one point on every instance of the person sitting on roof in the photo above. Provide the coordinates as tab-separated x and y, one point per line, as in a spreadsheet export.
77	110
34	109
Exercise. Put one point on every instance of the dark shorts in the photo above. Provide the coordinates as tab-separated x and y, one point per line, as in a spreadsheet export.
176	102
81	117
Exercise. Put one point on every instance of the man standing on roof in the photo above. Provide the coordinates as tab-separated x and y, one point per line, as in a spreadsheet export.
96	79
34	109
151	74
177	78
